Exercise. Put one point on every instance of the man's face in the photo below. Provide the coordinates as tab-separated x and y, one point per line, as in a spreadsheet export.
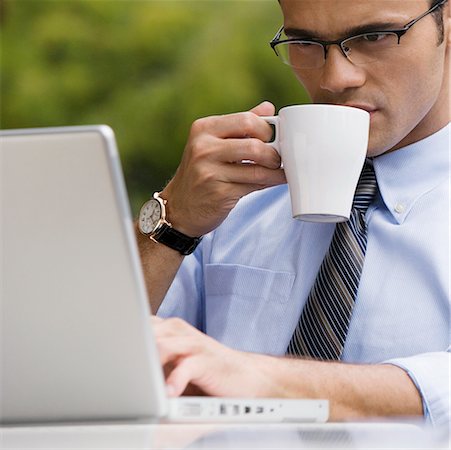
406	91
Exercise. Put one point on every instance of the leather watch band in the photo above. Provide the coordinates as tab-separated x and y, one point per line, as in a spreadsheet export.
174	239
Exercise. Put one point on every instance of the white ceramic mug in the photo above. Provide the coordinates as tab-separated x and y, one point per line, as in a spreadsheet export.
323	149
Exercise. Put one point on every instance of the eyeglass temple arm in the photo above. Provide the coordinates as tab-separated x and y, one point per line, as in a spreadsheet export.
276	37
429	11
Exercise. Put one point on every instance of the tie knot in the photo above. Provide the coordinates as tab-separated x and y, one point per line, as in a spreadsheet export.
366	188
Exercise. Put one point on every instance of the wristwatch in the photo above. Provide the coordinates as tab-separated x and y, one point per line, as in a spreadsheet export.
152	223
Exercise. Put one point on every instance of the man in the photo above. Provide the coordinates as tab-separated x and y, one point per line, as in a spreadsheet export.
253	276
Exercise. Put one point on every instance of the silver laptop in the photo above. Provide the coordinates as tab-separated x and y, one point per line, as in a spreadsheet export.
76	341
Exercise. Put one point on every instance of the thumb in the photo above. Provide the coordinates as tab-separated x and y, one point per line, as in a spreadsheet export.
264	109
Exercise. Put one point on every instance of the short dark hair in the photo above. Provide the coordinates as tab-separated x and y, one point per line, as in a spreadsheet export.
438	16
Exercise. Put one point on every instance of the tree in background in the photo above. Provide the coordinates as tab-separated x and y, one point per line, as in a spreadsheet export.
146	68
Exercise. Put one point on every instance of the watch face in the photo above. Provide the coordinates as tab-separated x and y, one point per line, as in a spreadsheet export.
149	216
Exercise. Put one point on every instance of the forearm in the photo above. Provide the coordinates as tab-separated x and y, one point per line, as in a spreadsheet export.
160	265
354	391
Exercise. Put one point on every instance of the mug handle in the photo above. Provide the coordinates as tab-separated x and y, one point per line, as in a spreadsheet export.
274	120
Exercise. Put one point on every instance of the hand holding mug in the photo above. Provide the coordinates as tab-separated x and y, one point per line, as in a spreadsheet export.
212	177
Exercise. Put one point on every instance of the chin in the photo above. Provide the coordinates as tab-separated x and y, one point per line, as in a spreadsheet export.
380	143
373	152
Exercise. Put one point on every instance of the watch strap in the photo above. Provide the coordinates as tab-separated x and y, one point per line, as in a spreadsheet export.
176	240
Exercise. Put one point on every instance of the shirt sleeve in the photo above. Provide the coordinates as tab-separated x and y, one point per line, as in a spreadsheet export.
430	373
184	298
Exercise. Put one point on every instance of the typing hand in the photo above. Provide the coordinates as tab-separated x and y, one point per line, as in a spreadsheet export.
196	364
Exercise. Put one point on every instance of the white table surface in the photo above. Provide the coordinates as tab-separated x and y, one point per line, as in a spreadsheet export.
389	435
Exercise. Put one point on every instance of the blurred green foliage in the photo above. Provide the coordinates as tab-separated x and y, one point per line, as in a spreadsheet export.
147	68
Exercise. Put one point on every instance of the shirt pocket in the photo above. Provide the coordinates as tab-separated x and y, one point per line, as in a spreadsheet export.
246	307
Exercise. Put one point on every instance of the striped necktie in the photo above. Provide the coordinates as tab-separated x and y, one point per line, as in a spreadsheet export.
324	322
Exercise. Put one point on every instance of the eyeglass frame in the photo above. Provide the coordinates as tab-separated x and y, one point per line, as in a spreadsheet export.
325	44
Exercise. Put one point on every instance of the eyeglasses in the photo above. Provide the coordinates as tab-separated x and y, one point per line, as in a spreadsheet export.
359	49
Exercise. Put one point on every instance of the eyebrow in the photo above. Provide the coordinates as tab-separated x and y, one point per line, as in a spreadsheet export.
361	29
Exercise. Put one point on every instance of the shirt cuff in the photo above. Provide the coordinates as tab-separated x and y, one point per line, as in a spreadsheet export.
430	372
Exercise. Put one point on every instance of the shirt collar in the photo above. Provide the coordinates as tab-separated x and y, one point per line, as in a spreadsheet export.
403	176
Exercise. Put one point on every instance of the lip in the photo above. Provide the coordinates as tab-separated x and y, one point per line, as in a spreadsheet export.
370	109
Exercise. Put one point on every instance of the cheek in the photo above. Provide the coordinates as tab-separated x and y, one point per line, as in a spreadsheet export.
408	96
418	77
314	92
310	80
411	90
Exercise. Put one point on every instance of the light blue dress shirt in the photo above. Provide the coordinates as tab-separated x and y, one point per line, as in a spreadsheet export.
248	281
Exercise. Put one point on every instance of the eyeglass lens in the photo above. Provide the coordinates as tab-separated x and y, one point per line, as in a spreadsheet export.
358	49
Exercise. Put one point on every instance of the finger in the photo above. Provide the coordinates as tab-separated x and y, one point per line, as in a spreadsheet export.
252	174
171	348
239	150
173	327
264	109
156	320
186	372
238	125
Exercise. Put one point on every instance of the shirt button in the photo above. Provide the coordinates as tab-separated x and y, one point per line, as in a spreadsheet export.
400	208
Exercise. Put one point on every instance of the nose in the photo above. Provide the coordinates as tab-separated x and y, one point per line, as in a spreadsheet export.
339	74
